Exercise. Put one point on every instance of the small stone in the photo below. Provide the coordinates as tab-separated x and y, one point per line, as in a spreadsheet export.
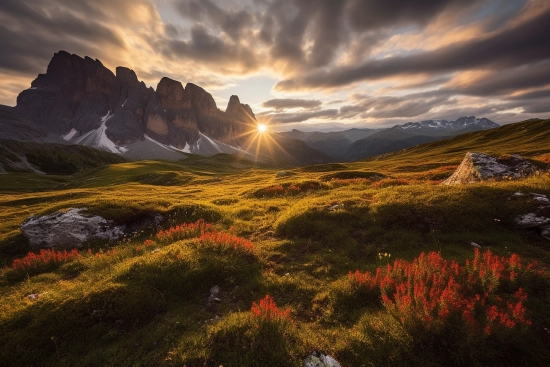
215	290
319	359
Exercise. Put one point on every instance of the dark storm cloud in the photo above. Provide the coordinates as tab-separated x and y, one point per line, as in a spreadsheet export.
31	33
372	14
523	44
286	103
233	23
406	106
204	46
531	95
504	83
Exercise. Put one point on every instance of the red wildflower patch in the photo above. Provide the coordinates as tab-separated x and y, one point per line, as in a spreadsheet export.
268	310
184	231
44	259
429	290
226	240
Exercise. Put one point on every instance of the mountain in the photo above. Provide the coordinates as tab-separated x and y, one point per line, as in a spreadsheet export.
355	144
80	101
51	158
13	127
333	144
445	125
85	103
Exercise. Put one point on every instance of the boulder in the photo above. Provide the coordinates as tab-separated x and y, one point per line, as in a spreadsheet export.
319	359
68	229
477	167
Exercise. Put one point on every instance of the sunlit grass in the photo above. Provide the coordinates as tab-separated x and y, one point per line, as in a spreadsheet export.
143	300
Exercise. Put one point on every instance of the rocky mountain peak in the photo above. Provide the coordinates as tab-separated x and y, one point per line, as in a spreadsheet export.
126	76
234	104
172	95
82	101
201	100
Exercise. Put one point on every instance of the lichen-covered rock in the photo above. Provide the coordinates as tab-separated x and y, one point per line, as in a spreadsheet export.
318	359
476	167
68	229
539	219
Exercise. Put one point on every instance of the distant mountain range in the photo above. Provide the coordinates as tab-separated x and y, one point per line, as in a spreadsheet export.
78	101
355	144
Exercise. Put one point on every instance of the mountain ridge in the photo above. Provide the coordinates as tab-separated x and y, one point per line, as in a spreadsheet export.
79	95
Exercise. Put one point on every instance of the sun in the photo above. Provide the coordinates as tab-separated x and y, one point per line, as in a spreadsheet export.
262	128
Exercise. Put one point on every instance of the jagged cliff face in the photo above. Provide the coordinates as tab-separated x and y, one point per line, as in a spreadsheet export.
79	97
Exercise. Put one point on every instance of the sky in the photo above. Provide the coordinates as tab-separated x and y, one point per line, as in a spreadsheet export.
305	64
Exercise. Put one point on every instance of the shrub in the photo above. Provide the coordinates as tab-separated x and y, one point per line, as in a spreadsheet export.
44	261
225	240
267	311
430	292
265	336
288	189
184	231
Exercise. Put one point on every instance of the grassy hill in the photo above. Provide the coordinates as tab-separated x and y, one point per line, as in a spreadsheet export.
143	301
51	158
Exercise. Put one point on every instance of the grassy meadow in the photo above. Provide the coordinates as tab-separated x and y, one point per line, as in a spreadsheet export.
143	301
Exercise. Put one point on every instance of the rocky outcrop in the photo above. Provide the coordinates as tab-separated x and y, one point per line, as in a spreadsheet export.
68	229
126	126
476	167
85	103
74	93
231	126
170	118
538	219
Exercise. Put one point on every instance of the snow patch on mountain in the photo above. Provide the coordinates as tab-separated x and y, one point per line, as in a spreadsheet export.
97	138
71	134
458	124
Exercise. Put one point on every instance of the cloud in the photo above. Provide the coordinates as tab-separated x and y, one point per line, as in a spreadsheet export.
372	14
523	44
456	55
282	104
283	118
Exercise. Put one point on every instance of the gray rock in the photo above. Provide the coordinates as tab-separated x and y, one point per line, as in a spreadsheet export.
542	199
477	167
540	219
68	229
213	299
318	359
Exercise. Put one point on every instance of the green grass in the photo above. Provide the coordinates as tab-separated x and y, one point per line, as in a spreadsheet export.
148	307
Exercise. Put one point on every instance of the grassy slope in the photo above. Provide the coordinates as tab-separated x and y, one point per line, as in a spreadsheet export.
144	309
52	158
